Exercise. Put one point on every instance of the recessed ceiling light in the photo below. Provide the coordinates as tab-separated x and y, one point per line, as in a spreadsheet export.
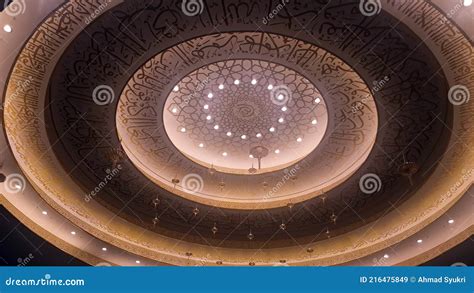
243	136
174	110
259	135
137	262
224	154
317	101
7	28
44	213
210	95
270	87
281	120
236	82
386	256
280	97
183	130
201	145
467	3
284	108
206	107
216	127
277	151
221	86
176	88
299	139
419	241
254	81
250	156
229	133
272	129
314	122
208	117
73	232
451	221
104	248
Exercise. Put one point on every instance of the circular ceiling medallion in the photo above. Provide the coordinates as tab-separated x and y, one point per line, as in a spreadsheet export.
248	117
219	113
118	170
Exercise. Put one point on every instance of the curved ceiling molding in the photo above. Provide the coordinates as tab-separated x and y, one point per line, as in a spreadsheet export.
318	144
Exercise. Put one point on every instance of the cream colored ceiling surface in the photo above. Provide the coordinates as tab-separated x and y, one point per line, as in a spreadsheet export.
105	114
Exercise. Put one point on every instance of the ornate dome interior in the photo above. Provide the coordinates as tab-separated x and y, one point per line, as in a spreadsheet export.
235	132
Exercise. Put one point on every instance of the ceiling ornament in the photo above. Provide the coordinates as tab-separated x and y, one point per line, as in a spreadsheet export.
341	55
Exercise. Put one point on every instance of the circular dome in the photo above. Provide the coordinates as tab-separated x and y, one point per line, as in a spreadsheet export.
256	108
245	116
111	169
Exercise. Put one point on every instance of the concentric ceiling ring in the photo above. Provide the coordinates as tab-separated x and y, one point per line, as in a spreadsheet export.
147	143
402	135
221	112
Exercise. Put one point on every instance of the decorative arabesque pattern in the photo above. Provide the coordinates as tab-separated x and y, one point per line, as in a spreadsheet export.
244	100
412	87
149	147
338	27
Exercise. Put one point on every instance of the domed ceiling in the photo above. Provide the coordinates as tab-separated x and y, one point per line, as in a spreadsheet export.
242	132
